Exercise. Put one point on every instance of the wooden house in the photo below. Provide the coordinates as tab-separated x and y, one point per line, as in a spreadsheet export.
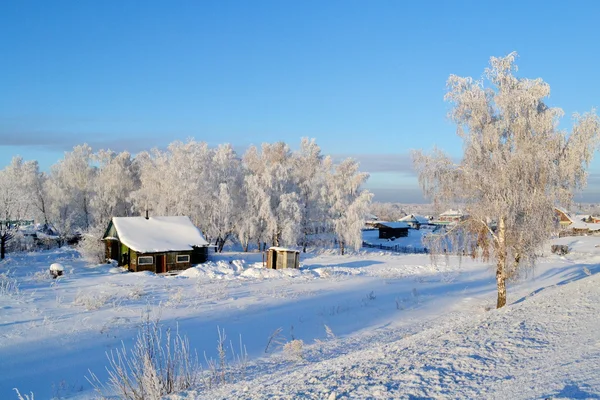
576	225
157	244
388	230
279	257
564	218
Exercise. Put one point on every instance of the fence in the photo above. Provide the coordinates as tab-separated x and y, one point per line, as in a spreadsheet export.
397	248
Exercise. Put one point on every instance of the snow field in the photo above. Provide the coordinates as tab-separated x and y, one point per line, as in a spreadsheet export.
372	324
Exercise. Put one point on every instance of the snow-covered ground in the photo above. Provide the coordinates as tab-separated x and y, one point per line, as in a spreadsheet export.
374	324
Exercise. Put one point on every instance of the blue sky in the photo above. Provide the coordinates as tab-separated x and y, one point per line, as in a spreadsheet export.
365	78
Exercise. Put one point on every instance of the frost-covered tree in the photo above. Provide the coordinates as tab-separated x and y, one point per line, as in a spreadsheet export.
225	195
309	172
36	183
387	211
194	180
270	191
154	183
91	246
516	167
348	203
15	199
174	181
115	180
70	189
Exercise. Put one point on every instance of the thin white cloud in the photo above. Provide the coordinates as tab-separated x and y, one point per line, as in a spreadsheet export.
373	163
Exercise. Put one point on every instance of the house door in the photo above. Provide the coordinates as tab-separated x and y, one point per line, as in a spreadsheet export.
160	264
114	250
274	259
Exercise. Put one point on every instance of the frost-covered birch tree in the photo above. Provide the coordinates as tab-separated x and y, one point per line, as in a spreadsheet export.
272	195
225	195
36	183
310	173
71	188
516	167
348	203
156	185
114	182
15	199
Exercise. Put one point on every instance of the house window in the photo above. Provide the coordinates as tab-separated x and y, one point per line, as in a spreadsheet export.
146	260
183	258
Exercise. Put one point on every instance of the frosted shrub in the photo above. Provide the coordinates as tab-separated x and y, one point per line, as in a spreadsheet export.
222	370
91	301
136	293
294	349
159	363
275	340
24	396
175	298
40	276
8	285
91	247
329	332
20	242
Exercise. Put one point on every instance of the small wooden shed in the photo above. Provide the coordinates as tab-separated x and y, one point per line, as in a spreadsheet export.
157	244
279	257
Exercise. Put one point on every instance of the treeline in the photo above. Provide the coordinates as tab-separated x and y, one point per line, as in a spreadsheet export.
271	195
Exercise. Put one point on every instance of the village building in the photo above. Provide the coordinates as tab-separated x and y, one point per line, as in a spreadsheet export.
157	244
414	221
450	217
370	221
575	225
389	230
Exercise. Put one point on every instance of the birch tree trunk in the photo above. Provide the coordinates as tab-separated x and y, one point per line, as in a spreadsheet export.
501	263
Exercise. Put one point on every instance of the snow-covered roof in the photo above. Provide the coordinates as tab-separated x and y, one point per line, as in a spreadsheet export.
158	234
414	218
283	249
393	224
584	225
452	213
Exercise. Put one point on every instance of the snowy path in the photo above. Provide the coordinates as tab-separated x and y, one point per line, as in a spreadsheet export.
546	346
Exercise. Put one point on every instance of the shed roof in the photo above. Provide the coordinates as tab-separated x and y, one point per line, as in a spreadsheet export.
453	213
393	225
158	234
283	249
414	218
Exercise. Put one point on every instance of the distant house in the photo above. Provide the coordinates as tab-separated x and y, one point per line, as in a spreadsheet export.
414	221
388	230
370	221
450	217
564	218
157	244
575	225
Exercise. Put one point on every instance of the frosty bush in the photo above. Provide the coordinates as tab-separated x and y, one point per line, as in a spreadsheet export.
24	396
159	363
91	301
294	349
91	247
20	242
222	370
40	276
9	286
